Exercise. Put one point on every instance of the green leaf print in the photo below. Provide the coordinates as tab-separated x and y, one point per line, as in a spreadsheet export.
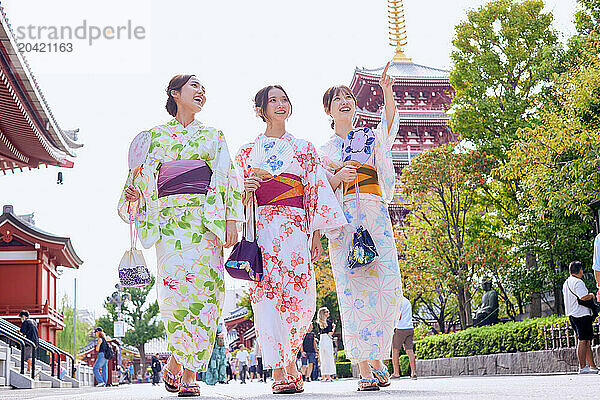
178	147
238	196
210	285
195	308
196	238
201	354
205	260
178	245
211	199
180	314
173	326
220	223
184	225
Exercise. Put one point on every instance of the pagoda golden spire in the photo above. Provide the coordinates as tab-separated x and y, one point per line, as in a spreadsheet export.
397	26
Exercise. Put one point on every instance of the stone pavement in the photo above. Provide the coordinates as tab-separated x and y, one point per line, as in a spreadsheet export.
546	387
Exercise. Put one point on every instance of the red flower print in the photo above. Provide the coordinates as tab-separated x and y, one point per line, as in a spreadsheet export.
170	283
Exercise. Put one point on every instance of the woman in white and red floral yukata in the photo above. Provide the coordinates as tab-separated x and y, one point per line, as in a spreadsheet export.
293	208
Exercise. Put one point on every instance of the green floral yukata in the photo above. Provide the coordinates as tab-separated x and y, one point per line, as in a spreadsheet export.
188	231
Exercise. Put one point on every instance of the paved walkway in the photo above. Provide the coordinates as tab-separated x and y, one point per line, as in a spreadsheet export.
546	387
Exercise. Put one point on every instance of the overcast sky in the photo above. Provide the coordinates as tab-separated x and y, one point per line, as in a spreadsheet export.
113	89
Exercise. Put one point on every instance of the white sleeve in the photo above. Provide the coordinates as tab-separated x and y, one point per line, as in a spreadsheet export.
596	264
580	289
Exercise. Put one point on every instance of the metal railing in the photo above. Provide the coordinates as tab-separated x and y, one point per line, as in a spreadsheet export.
561	335
11	337
54	351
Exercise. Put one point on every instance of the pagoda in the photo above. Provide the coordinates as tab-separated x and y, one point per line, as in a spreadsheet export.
30	262
423	95
30	136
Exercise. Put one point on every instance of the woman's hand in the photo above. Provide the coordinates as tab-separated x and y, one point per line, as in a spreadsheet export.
231	233
252	183
132	194
386	81
316	249
347	174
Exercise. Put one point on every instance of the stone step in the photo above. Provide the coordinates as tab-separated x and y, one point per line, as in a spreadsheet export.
25	382
56	383
2	381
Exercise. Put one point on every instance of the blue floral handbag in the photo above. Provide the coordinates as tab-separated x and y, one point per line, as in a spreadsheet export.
362	247
245	261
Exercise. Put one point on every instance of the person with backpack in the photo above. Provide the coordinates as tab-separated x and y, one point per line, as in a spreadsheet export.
105	353
581	310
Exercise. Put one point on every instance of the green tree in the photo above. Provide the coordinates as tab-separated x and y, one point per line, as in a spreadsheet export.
326	289
140	317
558	163
505	58
585	45
64	338
440	187
504	55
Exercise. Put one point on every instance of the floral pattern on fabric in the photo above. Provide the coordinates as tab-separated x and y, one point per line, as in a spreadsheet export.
369	296
284	302
188	231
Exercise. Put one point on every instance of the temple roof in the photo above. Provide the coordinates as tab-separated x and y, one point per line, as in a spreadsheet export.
61	246
406	70
29	133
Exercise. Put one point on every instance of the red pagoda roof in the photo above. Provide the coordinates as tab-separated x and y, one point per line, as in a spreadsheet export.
23	229
29	133
405	71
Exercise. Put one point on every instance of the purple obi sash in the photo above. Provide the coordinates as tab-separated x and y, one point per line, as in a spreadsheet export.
183	177
282	190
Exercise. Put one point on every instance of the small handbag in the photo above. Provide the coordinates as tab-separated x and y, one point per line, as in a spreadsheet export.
362	247
245	261
133	271
591	304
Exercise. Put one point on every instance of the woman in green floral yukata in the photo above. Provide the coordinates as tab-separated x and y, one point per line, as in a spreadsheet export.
183	193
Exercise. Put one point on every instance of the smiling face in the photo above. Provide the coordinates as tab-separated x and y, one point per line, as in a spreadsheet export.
191	96
339	103
277	107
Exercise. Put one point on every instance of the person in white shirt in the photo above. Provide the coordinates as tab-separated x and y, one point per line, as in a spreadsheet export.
580	316
403	337
242	356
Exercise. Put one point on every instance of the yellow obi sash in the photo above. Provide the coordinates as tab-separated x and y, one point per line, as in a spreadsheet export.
368	181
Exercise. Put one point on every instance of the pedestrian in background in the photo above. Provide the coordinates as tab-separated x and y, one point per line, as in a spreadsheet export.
403	338
242	356
580	316
100	366
252	364
29	329
326	354
309	355
156	368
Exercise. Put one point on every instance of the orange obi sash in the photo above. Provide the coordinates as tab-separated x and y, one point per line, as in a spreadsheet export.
368	181
283	190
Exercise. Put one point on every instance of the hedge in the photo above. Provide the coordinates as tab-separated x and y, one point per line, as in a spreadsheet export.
343	369
510	337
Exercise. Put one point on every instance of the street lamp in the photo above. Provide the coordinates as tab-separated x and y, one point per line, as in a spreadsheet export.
118	298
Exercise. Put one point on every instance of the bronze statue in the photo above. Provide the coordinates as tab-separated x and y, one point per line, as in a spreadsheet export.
487	313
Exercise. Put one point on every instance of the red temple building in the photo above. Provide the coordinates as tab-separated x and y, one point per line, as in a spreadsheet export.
29	133
423	95
29	137
29	261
